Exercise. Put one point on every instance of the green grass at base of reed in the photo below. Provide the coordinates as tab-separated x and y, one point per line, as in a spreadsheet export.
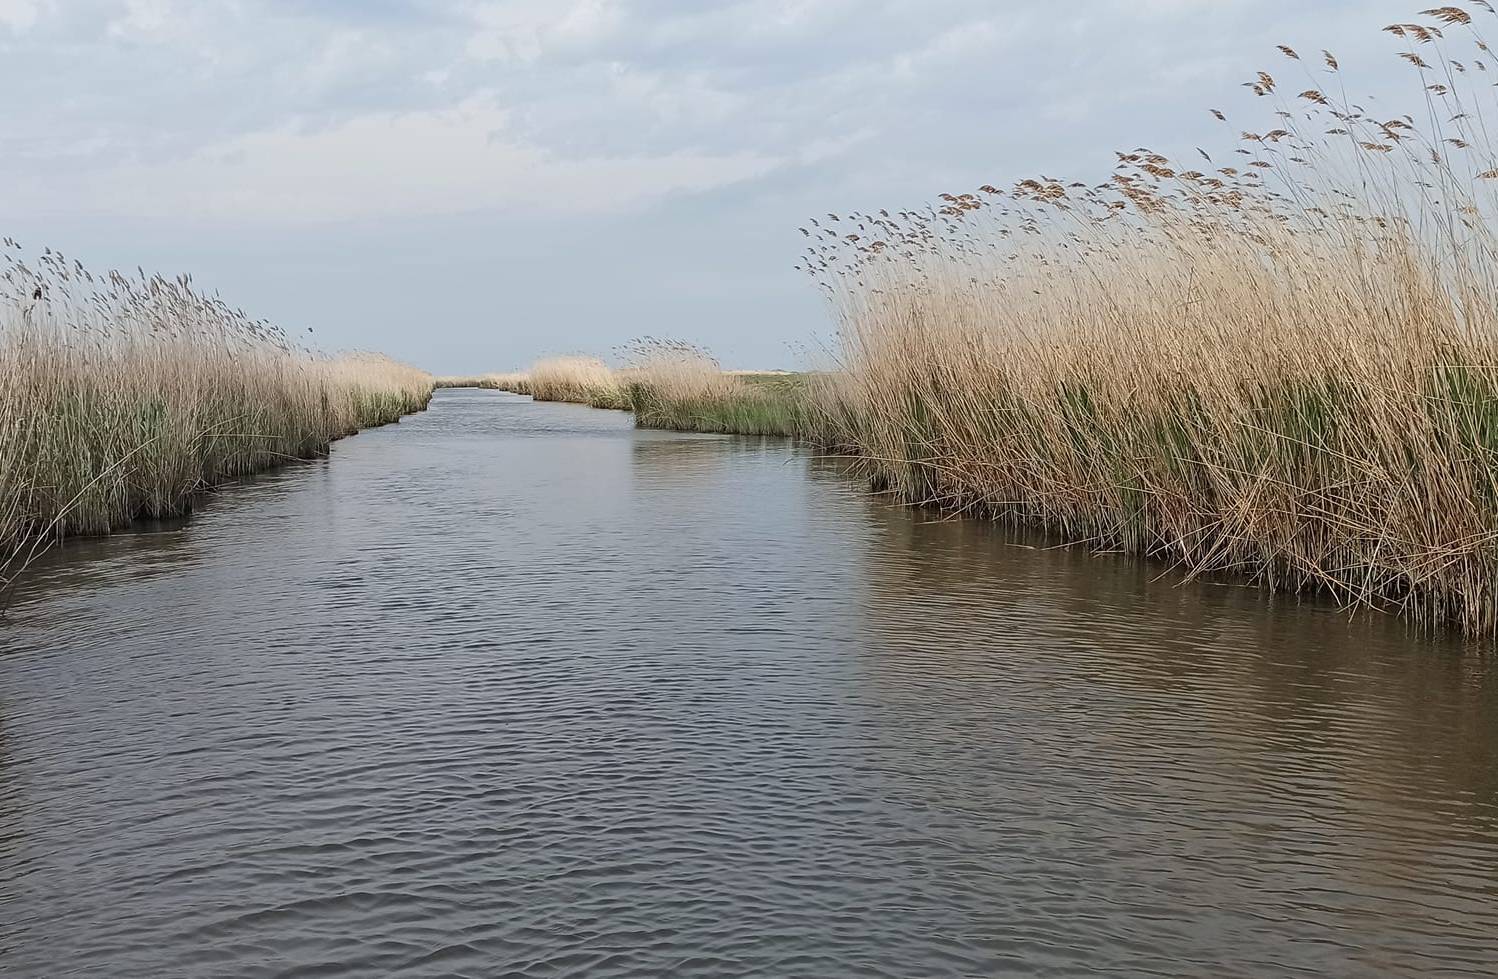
678	386
1277	358
775	405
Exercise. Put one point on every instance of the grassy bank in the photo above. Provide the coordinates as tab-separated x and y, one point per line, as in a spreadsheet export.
121	397
733	404
674	385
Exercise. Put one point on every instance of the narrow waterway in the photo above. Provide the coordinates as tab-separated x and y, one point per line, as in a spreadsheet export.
513	689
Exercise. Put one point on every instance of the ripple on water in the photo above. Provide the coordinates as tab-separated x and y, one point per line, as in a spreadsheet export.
515	689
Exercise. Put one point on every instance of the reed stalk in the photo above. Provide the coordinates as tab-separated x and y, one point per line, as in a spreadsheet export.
121	397
1283	363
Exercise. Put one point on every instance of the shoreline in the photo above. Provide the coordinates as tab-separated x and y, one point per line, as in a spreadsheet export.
22	549
831	426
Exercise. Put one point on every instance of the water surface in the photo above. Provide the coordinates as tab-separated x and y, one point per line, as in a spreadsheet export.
513	689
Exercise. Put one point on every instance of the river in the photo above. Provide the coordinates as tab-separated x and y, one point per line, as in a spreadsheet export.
514	689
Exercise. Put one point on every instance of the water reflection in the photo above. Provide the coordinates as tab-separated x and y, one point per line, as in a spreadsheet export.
1278	753
514	689
1297	676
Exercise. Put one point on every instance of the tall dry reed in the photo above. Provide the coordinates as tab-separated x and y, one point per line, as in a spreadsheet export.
673	384
1283	362
122	396
578	379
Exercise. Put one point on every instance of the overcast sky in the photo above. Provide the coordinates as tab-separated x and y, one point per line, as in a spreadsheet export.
468	184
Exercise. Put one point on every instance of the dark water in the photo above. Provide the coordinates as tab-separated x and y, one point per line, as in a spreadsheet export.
511	689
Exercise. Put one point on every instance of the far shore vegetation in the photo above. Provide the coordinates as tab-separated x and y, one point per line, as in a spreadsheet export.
517	383
668	385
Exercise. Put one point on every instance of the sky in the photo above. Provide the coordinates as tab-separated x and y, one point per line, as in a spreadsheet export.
470	184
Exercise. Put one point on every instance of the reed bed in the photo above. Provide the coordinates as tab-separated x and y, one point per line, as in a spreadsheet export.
122	396
576	379
672	384
516	382
1281	362
676	385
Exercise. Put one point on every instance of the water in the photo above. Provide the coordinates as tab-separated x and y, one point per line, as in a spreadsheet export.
512	689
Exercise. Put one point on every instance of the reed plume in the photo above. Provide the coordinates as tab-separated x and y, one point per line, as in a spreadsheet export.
1286	367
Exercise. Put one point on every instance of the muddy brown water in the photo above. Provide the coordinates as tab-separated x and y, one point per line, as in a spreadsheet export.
513	689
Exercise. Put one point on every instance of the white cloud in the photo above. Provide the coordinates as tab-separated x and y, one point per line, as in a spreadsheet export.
673	96
147	20
21	15
455	160
525	30
347	53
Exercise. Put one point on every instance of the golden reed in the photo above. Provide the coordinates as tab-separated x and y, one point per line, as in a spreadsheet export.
1281	362
122	396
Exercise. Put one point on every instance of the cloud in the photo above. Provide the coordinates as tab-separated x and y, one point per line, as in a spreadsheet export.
21	15
348	53
526	30
450	161
151	21
270	110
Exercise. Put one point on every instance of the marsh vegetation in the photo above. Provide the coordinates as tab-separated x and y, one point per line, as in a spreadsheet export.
670	384
122	396
1282	362
517	383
